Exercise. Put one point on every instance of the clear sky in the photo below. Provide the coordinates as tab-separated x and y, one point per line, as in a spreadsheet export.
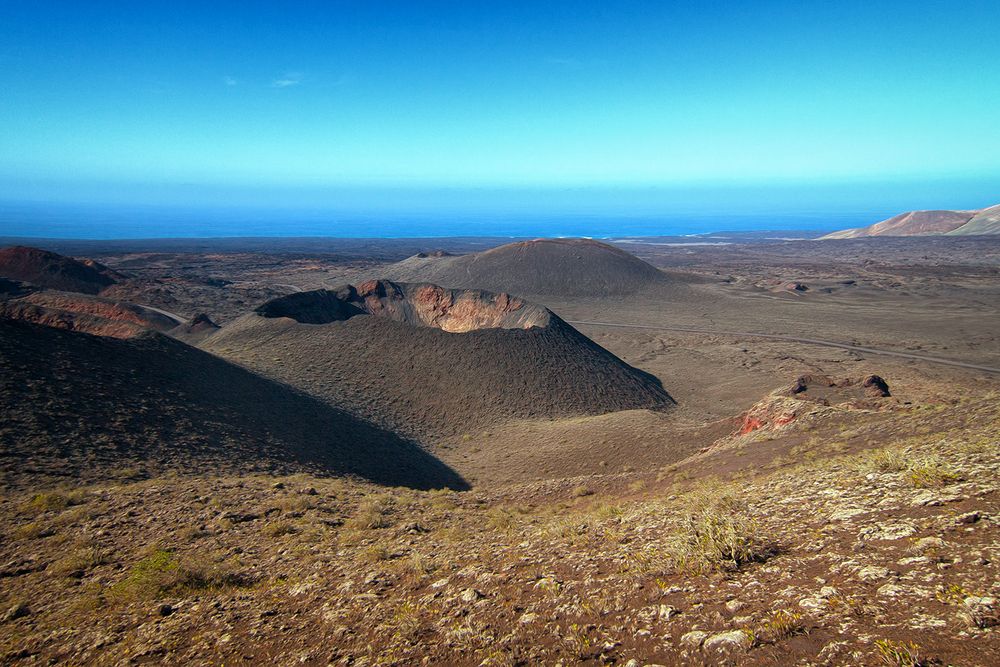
179	101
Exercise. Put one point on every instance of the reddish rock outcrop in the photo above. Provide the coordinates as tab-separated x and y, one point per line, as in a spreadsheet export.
88	314
424	305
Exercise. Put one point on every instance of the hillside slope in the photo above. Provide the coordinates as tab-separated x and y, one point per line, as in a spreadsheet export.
986	221
85	407
566	267
47	269
928	223
365	349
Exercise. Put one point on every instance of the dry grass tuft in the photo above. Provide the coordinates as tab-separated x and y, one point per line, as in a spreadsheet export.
50	501
162	573
931	472
720	535
899	654
373	513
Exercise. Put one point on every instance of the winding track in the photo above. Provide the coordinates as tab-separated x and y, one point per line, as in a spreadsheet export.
796	339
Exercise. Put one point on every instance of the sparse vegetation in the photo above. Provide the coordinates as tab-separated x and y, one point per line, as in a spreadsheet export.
78	562
931	472
33	531
890	459
782	625
162	572
279	528
49	501
898	654
374	513
721	534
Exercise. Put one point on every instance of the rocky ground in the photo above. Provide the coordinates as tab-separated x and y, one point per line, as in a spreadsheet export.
874	544
749	525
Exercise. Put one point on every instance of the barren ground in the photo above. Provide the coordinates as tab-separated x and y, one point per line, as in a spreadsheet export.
850	533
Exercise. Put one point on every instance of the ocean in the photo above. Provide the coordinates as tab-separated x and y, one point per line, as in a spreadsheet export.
65	221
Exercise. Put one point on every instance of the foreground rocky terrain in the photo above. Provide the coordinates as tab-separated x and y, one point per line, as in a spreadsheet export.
875	544
797	504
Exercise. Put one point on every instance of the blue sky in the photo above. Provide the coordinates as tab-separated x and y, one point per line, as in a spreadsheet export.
881	102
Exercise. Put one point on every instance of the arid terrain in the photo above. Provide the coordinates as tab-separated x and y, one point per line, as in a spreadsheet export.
726	449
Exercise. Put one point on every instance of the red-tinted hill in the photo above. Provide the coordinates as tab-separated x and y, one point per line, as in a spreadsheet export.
89	314
47	269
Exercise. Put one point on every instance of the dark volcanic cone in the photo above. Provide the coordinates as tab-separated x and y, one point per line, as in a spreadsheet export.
427	361
565	267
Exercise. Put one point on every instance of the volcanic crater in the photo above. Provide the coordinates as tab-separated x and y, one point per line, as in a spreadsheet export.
424	305
427	361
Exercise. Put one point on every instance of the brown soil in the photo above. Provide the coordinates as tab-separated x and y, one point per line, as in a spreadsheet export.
861	531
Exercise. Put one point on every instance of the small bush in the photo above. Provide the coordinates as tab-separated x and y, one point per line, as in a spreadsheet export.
720	535
898	654
888	460
161	573
415	567
33	531
77	562
502	519
931	472
54	500
297	503
373	513
581	491
953	594
376	553
279	528
782	625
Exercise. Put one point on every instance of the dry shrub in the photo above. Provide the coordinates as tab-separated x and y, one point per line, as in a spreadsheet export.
373	513
162	573
720	535
899	654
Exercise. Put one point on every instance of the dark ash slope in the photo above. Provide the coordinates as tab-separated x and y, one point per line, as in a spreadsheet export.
564	267
424	381
82	406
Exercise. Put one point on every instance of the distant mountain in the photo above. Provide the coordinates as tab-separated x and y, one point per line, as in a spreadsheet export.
929	223
580	267
986	221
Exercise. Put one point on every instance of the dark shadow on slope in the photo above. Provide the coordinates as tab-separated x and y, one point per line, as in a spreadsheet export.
82	406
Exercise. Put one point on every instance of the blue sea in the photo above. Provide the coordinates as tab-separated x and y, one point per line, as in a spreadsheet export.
64	221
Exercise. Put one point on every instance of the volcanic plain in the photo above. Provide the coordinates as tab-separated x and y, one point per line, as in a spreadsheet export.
723	449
